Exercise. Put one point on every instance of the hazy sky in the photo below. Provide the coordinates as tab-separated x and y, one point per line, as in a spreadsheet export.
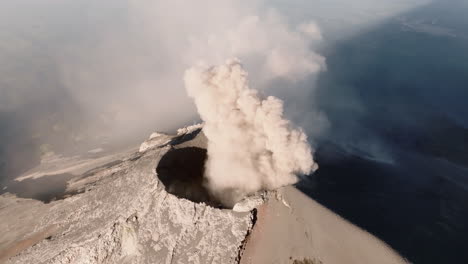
74	70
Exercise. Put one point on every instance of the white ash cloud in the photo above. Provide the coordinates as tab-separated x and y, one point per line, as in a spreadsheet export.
266	42
112	72
76	74
131	75
251	146
120	64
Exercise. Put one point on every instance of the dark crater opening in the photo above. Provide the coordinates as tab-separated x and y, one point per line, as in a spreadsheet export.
181	171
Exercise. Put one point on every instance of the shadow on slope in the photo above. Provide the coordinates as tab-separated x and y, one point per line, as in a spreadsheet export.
400	86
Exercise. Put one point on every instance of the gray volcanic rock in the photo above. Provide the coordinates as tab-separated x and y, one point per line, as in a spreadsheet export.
126	212
123	215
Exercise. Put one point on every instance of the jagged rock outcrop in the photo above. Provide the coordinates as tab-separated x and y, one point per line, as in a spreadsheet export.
123	214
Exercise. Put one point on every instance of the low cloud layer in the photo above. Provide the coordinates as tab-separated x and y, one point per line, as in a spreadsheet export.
120	63
75	74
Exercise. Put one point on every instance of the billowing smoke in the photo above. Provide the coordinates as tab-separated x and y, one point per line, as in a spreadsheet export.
251	146
76	74
112	72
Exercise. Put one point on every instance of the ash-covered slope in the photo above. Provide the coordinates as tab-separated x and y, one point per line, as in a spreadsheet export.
122	214
141	210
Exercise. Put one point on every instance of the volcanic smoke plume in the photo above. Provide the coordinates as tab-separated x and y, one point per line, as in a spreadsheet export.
251	146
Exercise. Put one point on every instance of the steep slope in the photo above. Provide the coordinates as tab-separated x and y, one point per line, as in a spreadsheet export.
123	215
139	210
